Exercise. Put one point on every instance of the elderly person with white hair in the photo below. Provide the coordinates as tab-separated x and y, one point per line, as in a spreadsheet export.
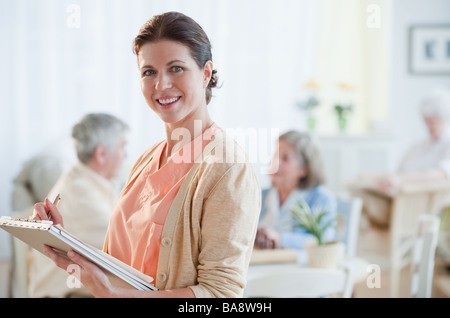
429	159
89	192
298	175
426	160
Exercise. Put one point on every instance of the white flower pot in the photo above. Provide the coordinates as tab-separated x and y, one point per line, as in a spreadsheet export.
327	256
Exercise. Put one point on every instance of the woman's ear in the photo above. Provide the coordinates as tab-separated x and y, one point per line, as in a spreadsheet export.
207	73
302	172
100	154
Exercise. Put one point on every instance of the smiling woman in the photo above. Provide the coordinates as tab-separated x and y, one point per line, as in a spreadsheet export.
191	224
172	83
190	34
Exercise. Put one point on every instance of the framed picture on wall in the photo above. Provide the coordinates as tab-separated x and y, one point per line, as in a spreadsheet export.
429	50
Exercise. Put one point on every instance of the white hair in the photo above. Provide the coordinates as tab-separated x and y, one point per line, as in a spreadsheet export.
94	130
437	104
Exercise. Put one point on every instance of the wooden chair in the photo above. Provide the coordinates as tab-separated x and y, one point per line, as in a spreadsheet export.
422	260
411	201
408	205
300	282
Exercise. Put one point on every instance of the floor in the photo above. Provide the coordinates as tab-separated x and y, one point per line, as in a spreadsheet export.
373	240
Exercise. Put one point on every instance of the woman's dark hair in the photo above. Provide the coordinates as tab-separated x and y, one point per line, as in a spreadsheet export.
309	157
178	27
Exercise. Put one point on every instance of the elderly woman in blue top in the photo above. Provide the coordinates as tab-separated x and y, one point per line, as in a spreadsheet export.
298	174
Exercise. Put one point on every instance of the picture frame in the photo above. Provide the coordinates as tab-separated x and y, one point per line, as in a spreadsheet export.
429	49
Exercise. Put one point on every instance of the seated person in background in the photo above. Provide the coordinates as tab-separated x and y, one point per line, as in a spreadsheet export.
31	185
88	197
425	161
299	175
36	178
429	159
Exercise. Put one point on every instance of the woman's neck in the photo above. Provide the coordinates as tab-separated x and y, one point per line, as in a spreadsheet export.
183	132
284	191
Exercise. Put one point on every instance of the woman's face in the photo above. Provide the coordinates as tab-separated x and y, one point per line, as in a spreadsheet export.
289	170
114	159
173	85
435	126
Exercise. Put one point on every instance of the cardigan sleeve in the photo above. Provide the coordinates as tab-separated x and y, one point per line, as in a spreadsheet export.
228	229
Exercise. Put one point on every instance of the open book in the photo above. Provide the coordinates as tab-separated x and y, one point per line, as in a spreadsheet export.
36	233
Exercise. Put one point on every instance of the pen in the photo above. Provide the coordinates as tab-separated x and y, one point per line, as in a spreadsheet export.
55	203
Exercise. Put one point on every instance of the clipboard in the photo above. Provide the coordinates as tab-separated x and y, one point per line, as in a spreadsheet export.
36	233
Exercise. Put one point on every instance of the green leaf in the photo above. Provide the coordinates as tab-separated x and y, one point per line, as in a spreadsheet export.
311	221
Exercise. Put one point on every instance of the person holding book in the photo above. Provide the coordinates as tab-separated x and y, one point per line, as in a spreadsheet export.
89	191
188	213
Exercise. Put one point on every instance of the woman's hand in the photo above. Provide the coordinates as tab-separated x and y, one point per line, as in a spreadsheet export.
390	184
91	276
98	283
43	210
267	238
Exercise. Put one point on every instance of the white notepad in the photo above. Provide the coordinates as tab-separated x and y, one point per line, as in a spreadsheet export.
37	233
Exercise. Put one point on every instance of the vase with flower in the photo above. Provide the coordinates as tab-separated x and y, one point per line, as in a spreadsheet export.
309	104
344	106
342	112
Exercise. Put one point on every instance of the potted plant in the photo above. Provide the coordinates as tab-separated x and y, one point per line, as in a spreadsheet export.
320	253
341	112
345	105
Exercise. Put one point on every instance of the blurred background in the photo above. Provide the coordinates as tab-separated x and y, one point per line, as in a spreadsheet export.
282	64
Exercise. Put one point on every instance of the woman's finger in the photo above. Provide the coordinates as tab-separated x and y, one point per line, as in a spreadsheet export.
80	260
39	212
53	210
61	261
92	276
90	268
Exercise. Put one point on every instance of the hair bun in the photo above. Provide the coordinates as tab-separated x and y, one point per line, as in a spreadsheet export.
214	79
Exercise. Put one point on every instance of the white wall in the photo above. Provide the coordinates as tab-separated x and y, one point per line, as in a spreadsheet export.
407	89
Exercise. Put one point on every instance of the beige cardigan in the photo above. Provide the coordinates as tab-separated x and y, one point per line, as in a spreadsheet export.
206	245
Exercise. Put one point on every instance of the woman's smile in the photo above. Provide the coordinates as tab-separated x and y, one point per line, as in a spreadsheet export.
168	101
172	82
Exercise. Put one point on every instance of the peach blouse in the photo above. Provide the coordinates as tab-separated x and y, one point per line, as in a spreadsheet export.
141	210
